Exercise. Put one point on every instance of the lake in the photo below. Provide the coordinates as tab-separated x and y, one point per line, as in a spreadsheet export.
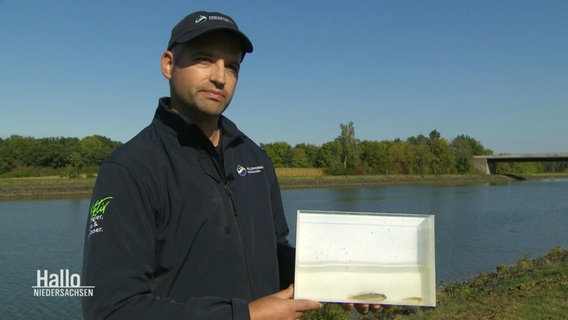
478	227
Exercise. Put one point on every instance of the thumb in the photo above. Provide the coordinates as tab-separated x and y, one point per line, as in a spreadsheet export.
287	293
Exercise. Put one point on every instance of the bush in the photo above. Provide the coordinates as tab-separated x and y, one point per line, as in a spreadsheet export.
24	172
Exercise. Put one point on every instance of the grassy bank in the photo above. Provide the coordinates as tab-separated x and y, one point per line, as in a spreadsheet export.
530	289
57	187
45	187
299	182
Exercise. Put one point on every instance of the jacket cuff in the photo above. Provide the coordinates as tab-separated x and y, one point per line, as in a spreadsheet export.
240	309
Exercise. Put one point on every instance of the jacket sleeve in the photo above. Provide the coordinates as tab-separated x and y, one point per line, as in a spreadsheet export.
119	257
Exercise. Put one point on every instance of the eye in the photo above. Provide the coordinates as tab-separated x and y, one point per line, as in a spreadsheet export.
204	60
235	67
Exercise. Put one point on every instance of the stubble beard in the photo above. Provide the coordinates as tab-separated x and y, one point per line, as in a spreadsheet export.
202	111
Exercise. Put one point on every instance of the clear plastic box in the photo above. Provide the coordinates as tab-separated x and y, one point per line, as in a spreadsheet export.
361	257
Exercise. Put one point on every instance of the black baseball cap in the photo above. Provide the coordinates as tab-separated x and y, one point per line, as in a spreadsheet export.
200	22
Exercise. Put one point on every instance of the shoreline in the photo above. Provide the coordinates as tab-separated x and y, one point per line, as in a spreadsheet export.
38	188
308	182
287	183
63	188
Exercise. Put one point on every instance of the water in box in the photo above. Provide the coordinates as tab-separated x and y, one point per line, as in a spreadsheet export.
365	258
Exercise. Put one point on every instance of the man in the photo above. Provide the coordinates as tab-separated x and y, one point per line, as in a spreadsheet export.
186	219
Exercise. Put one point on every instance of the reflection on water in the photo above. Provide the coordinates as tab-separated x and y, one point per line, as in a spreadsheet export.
477	228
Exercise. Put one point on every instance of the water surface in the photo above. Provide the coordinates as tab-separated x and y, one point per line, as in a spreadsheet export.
477	228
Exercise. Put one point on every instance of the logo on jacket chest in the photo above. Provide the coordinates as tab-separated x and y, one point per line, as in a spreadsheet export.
244	170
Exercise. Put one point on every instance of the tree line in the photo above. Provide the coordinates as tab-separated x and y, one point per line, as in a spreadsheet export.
418	154
346	154
27	156
432	154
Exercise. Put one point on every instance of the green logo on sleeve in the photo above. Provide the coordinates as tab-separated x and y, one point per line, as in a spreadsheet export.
99	207
96	215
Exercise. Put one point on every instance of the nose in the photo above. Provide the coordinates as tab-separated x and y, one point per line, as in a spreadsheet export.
217	74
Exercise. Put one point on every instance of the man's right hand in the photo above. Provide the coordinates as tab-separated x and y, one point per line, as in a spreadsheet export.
281	306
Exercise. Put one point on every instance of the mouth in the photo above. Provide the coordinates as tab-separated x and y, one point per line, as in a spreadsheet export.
214	95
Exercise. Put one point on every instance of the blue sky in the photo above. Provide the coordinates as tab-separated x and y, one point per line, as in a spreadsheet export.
494	70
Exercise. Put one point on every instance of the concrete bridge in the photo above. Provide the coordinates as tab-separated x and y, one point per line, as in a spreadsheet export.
486	164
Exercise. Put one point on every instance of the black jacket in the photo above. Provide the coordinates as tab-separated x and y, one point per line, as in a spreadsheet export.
180	230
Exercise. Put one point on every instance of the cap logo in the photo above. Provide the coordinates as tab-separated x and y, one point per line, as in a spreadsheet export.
200	19
220	18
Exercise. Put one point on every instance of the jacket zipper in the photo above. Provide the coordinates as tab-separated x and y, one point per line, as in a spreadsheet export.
229	193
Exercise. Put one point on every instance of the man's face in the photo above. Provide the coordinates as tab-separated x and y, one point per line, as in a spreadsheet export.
203	74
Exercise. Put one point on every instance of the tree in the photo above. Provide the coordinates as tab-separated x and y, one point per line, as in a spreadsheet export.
309	151
75	162
5	157
434	135
348	143
401	154
464	148
25	156
421	159
376	157
94	149
19	149
279	153
419	154
329	157
519	167
555	166
445	158
52	152
299	158
417	140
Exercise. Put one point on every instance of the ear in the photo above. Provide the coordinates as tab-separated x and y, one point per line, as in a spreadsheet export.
167	64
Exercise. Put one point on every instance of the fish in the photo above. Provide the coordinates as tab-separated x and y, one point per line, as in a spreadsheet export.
412	300
369	296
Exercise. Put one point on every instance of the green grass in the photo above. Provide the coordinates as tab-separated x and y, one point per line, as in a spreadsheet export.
56	186
530	289
45	187
296	182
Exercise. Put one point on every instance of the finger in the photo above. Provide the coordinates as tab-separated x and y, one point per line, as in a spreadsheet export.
347	306
362	308
287	293
374	307
305	305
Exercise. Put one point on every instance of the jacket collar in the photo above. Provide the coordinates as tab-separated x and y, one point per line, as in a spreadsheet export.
187	131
